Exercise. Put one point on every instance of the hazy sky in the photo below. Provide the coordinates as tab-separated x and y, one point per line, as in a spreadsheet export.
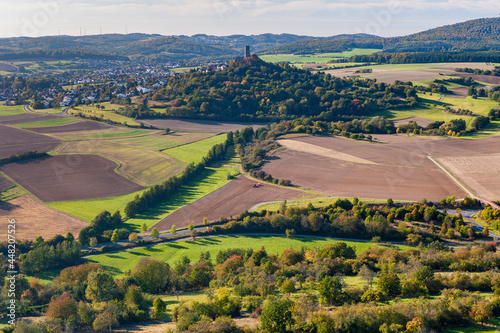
226	17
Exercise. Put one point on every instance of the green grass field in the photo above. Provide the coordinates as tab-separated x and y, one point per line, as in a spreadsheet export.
10	110
194	152
316	58
45	123
118	263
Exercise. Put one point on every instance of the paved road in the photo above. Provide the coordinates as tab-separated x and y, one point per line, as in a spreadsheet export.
467	215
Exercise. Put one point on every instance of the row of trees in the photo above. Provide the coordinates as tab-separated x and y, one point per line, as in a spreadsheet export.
157	193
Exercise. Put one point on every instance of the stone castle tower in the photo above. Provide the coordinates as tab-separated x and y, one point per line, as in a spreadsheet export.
247	51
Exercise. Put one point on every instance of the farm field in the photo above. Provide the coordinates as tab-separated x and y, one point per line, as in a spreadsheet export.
34	219
10	110
106	114
408	72
199	125
316	58
232	199
26	118
480	173
4	183
431	110
72	127
118	263
208	181
49	122
144	165
14	141
70	177
194	152
398	174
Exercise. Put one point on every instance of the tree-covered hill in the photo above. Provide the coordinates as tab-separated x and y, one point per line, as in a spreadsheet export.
474	35
253	89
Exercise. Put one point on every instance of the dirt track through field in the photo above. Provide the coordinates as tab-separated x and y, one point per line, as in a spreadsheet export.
231	199
34	219
70	177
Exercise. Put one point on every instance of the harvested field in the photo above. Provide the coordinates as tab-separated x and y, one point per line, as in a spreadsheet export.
321	151
420	121
409	72
144	165
375	153
7	68
27	118
459	92
70	177
74	127
18	117
231	199
453	147
490	79
345	179
34	219
14	141
199	125
405	138
480	174
4	183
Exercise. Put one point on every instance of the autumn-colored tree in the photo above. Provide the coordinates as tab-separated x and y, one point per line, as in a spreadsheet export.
62	307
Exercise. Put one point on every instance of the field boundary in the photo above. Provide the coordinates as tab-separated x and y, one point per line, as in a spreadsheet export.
472	195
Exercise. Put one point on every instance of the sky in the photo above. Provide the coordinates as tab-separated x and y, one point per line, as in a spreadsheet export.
226	17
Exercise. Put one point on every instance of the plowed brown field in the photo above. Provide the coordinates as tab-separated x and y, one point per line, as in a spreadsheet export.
231	199
34	219
70	177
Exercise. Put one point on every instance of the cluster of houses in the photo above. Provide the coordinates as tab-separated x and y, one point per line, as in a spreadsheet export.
104	82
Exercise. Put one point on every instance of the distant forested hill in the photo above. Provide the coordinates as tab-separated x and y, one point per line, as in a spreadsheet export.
474	35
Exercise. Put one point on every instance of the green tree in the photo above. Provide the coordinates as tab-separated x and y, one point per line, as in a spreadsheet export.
205	221
106	320
144	227
191	227
159	307
288	286
133	237
485	232
367	274
93	241
173	230
337	250
389	283
155	233
276	316
101	286
331	291
114	237
152	275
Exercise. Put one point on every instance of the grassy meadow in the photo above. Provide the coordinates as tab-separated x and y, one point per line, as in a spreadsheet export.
118	263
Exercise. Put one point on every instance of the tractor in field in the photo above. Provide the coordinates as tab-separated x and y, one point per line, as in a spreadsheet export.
256	185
